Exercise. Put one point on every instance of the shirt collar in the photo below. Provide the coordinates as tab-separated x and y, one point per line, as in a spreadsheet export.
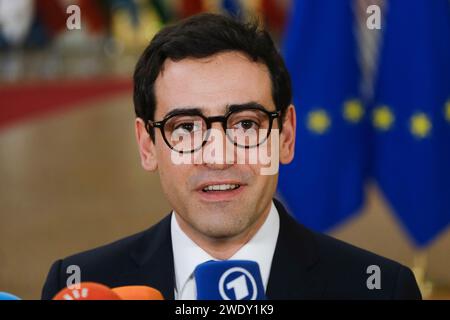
188	255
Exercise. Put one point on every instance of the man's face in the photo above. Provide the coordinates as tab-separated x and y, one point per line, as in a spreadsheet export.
211	84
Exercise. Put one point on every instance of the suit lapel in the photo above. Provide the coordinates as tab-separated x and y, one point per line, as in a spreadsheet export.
295	271
154	258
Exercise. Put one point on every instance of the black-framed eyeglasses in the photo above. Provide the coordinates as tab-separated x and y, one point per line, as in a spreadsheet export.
188	131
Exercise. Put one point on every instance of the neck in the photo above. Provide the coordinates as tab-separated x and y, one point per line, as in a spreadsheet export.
223	248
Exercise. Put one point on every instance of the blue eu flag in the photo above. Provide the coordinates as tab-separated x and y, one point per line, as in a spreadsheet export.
324	184
232	7
411	116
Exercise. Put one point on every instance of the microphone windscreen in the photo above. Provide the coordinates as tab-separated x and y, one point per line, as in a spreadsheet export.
138	293
8	296
229	280
87	291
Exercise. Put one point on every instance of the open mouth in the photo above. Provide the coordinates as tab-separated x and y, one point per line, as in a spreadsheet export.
220	187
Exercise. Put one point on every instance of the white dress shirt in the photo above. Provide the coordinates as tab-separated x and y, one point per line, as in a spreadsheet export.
188	255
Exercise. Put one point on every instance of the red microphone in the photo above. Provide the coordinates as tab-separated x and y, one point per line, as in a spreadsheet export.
87	291
138	293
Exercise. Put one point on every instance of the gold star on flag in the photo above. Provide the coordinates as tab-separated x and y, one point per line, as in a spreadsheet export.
447	111
383	118
353	111
318	121
420	125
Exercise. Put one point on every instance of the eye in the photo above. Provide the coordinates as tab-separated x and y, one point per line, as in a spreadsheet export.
247	125
187	127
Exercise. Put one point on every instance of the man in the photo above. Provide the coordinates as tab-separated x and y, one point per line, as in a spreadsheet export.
206	74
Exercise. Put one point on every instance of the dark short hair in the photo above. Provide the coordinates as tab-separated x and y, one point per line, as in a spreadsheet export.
201	36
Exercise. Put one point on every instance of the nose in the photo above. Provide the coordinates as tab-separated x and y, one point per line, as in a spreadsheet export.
217	153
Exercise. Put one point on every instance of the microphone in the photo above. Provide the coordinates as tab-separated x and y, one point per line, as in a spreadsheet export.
138	293
8	296
87	291
229	280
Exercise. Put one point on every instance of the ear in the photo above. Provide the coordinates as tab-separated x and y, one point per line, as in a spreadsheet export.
147	149
287	136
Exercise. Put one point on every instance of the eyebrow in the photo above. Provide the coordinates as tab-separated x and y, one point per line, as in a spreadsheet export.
192	111
229	108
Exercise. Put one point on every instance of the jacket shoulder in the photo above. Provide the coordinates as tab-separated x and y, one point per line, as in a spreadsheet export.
111	264
353	272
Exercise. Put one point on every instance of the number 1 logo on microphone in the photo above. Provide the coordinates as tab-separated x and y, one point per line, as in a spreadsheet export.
238	284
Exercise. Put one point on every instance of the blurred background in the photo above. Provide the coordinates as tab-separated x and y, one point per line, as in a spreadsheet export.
372	164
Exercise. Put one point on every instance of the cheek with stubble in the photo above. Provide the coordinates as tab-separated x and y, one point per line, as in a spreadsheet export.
173	182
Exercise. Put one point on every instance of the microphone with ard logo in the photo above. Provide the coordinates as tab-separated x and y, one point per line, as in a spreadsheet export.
229	280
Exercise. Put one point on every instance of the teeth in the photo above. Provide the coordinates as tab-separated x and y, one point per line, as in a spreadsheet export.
221	187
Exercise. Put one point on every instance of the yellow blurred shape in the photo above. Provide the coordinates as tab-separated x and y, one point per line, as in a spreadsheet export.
447	111
353	111
135	36
383	118
420	125
318	121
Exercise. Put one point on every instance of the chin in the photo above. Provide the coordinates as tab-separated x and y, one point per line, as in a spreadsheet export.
220	228
221	234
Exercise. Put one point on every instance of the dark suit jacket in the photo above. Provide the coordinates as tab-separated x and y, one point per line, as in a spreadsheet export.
306	265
